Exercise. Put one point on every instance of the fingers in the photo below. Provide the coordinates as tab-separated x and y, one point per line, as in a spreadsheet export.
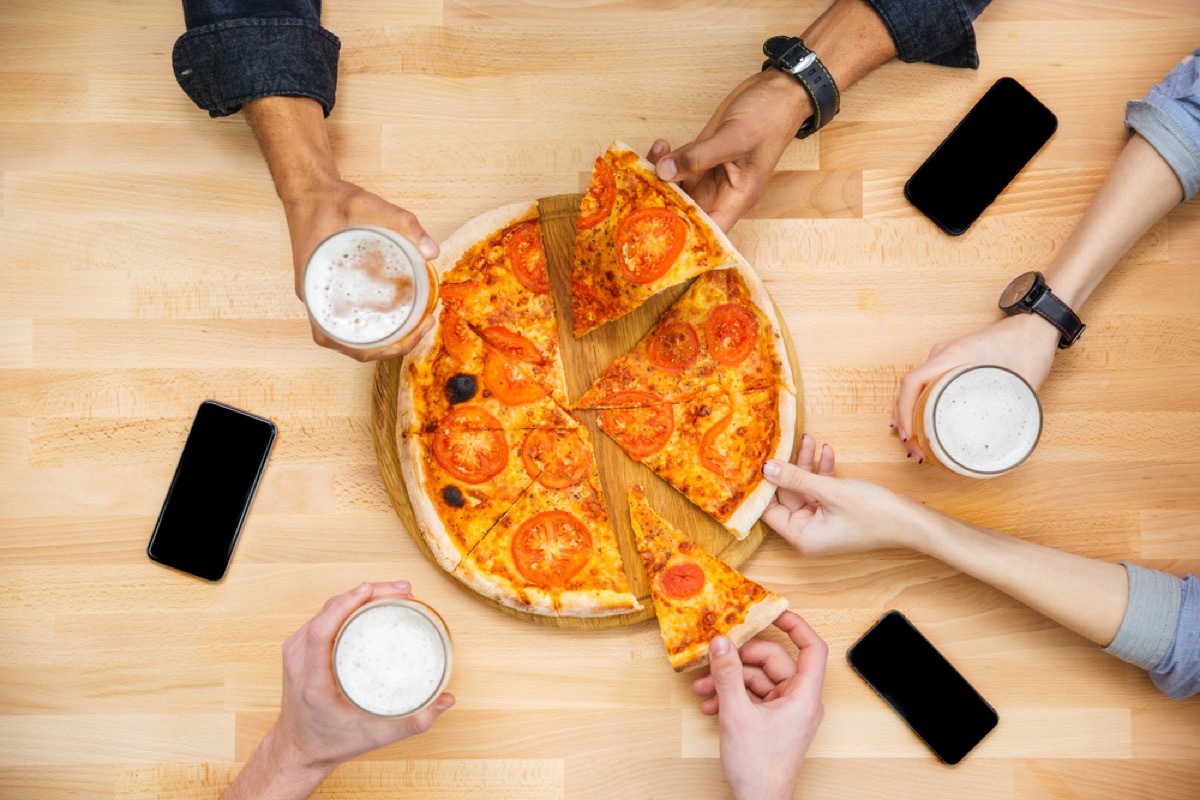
911	386
405	223
725	667
821	487
808	448
728	143
324	626
772	658
825	465
811	661
657	150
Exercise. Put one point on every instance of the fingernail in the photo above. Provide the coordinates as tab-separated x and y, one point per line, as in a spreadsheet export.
921	460
904	439
771	469
428	247
444	703
363	588
892	425
719	646
666	169
402	585
908	455
658	147
806	437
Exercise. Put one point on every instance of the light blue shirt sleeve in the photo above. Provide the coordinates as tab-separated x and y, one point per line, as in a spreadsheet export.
1169	119
1161	630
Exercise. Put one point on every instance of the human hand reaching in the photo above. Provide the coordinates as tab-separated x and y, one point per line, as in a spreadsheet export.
333	206
727	167
768	706
1024	343
820	515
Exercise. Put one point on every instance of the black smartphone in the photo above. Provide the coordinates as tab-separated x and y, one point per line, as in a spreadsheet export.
920	685
981	156
223	459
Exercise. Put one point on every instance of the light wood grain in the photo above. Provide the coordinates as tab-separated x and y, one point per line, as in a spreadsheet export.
146	267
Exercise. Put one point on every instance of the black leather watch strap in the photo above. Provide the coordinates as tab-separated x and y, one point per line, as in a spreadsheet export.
1059	314
788	54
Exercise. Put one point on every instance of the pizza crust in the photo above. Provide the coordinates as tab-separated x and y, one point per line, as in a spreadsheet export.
486	585
755	503
596	603
429	524
758	617
475	230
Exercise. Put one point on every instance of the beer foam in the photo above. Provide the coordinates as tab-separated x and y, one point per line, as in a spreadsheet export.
360	286
390	660
987	420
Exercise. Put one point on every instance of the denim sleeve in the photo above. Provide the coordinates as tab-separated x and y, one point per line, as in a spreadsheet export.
237	50
1161	630
937	31
1169	118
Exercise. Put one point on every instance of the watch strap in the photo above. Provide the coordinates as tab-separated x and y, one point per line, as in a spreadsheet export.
788	54
1049	307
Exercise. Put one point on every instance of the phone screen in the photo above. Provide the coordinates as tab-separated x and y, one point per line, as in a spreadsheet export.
981	156
922	687
224	456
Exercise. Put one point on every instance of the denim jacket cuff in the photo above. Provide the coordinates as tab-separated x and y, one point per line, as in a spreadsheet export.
222	65
940	33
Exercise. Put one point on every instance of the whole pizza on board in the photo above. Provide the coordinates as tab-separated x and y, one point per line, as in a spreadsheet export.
501	475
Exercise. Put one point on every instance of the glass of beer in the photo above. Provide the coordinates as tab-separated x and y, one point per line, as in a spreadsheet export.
979	421
367	287
392	657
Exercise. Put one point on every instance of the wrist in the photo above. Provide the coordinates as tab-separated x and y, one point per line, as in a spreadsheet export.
288	759
795	100
291	133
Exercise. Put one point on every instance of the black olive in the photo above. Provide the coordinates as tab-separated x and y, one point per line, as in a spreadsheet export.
461	388
454	496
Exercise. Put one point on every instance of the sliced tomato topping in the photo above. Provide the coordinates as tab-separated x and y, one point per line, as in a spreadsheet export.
457	337
556	457
601	195
551	547
710	455
455	294
527	258
675	347
512	344
631	399
681	581
641	432
648	242
731	333
507	382
469	444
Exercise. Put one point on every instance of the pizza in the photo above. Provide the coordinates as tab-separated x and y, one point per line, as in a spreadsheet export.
696	596
635	236
706	397
501	477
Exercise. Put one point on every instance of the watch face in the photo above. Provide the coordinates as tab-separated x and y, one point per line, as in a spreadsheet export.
1017	290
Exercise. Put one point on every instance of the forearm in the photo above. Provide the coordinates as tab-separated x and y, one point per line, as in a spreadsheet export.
292	136
851	41
1083	594
272	774
1139	190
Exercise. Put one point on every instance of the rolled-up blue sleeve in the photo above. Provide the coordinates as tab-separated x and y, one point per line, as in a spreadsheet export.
237	50
1169	119
937	31
1161	630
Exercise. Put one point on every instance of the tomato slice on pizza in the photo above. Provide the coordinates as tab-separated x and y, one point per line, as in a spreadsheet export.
635	236
696	596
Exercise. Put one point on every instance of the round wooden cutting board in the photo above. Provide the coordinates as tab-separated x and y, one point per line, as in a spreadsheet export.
584	360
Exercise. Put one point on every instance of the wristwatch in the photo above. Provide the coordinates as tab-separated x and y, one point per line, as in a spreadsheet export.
1029	294
788	53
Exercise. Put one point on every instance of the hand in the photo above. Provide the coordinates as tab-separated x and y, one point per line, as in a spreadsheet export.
1025	343
769	707
334	205
820	515
727	167
318	728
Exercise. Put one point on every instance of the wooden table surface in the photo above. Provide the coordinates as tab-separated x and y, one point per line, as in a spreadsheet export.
145	267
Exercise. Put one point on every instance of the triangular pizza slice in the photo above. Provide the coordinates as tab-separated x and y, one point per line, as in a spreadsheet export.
555	552
714	335
635	236
696	595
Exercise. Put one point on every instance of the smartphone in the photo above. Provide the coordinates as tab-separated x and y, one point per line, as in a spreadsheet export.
214	483
920	685
981	156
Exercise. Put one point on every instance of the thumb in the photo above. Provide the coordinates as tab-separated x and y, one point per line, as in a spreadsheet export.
405	223
725	667
725	144
822	488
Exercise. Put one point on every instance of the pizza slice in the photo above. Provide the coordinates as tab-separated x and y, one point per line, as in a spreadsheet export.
453	366
696	595
462	478
714	335
635	236
710	447
555	552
